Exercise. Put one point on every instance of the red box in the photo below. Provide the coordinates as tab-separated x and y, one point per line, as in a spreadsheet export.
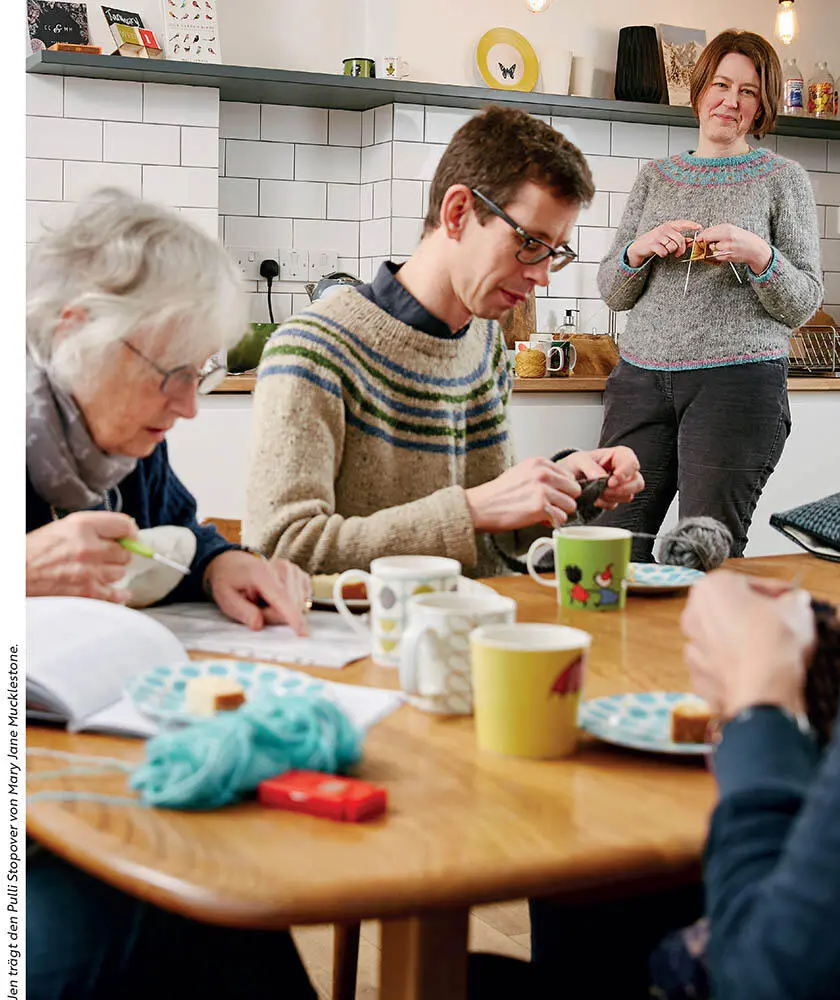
327	795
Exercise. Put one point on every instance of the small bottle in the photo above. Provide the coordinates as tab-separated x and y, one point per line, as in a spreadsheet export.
569	326
794	95
821	92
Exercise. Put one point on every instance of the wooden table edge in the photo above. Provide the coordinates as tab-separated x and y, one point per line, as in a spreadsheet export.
583	879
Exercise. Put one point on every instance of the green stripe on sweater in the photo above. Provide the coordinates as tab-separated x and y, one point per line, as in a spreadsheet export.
405	390
352	390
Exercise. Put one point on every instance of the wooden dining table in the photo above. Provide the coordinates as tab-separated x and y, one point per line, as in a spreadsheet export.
463	827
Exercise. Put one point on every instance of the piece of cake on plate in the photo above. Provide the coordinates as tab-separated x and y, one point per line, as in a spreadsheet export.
690	721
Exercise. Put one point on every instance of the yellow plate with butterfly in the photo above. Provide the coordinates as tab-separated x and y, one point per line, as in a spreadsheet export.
506	60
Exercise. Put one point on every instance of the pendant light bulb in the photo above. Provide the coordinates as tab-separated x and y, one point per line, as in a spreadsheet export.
538	6
786	25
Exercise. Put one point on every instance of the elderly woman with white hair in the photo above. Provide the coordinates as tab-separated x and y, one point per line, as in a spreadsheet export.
125	306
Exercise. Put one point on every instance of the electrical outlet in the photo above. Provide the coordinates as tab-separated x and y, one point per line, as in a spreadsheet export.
248	259
322	263
294	265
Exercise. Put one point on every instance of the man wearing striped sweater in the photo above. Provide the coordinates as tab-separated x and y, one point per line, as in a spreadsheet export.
380	423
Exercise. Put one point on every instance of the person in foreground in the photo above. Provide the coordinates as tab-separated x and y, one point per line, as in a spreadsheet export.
700	390
116	341
380	423
772	868
116	345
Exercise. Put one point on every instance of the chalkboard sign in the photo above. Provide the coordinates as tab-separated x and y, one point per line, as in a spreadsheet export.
56	22
114	16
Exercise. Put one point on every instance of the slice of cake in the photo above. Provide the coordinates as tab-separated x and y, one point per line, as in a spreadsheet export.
322	589
208	695
689	721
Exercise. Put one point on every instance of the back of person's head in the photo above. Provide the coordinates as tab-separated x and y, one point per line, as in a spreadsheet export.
499	150
125	267
762	55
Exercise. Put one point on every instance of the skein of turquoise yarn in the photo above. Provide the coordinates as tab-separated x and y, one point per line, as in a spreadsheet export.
214	762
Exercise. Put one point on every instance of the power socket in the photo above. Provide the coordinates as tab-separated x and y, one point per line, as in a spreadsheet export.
248	260
294	265
322	263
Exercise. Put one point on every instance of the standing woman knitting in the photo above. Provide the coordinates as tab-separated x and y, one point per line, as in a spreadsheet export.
700	390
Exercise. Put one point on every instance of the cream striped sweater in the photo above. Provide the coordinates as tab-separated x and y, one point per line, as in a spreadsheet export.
366	434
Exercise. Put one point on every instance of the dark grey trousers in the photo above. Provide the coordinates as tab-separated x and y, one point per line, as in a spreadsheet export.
714	435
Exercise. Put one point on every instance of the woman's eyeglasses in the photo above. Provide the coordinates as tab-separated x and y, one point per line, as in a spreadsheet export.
533	250
180	381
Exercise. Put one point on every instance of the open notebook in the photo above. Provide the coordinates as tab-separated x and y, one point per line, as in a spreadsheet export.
81	654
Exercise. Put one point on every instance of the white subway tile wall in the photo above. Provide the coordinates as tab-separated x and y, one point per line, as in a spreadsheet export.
154	141
356	183
109	100
200	147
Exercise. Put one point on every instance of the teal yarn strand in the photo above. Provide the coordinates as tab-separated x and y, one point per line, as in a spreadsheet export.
216	761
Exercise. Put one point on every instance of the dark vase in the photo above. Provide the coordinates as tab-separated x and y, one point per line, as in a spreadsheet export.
638	67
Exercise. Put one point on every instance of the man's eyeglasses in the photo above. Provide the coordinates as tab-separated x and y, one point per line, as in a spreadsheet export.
180	381
533	250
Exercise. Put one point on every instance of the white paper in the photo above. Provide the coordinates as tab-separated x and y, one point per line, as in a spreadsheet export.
203	627
81	652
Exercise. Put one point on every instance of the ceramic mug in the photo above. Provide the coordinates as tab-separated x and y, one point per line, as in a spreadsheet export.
393	68
561	358
527	680
390	583
359	67
435	648
590	566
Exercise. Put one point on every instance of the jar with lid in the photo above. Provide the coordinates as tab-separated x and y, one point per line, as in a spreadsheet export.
794	100
821	92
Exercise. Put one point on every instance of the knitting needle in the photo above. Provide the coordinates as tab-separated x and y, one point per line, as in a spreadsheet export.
635	274
723	253
138	548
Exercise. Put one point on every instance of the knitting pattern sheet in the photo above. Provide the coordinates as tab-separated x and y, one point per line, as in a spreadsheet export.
203	627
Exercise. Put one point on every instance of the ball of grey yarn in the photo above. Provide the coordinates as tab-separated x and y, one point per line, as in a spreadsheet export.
697	543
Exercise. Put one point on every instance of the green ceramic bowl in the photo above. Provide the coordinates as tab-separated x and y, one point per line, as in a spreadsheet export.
247	353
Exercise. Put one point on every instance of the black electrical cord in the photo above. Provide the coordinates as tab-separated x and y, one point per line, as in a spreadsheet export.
269	269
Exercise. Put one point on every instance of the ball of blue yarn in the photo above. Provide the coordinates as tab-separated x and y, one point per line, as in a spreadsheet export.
216	761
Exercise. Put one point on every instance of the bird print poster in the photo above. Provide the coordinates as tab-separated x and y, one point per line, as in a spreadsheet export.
192	31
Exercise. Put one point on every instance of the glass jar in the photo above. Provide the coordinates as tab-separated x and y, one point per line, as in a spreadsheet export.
821	92
794	100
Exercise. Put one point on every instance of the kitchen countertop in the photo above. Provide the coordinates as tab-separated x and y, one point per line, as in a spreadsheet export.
596	383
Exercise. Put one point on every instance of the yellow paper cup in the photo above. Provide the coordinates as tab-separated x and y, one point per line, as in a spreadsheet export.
527	680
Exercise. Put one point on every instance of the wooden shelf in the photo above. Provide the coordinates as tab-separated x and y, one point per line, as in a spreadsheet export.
259	85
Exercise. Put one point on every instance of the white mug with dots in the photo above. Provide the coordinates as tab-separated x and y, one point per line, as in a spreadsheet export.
390	583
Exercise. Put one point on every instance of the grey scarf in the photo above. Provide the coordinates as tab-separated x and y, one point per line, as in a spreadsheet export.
65	466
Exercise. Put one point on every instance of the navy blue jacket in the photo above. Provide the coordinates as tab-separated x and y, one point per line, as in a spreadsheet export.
153	495
773	864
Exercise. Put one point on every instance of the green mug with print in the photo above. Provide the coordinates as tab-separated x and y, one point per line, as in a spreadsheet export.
359	67
590	566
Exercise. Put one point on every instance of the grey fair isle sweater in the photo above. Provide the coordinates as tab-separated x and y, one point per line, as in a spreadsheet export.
718	321
367	432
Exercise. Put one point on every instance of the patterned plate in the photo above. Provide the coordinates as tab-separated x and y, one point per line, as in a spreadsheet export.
160	693
641	721
655	578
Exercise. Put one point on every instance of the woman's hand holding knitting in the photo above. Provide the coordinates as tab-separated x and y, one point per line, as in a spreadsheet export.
744	647
257	592
731	243
662	241
78	556
523	496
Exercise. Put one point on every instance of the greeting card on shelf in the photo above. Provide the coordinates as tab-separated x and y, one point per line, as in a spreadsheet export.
50	23
192	31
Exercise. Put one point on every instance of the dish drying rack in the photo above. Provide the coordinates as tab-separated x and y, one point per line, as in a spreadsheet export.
815	350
